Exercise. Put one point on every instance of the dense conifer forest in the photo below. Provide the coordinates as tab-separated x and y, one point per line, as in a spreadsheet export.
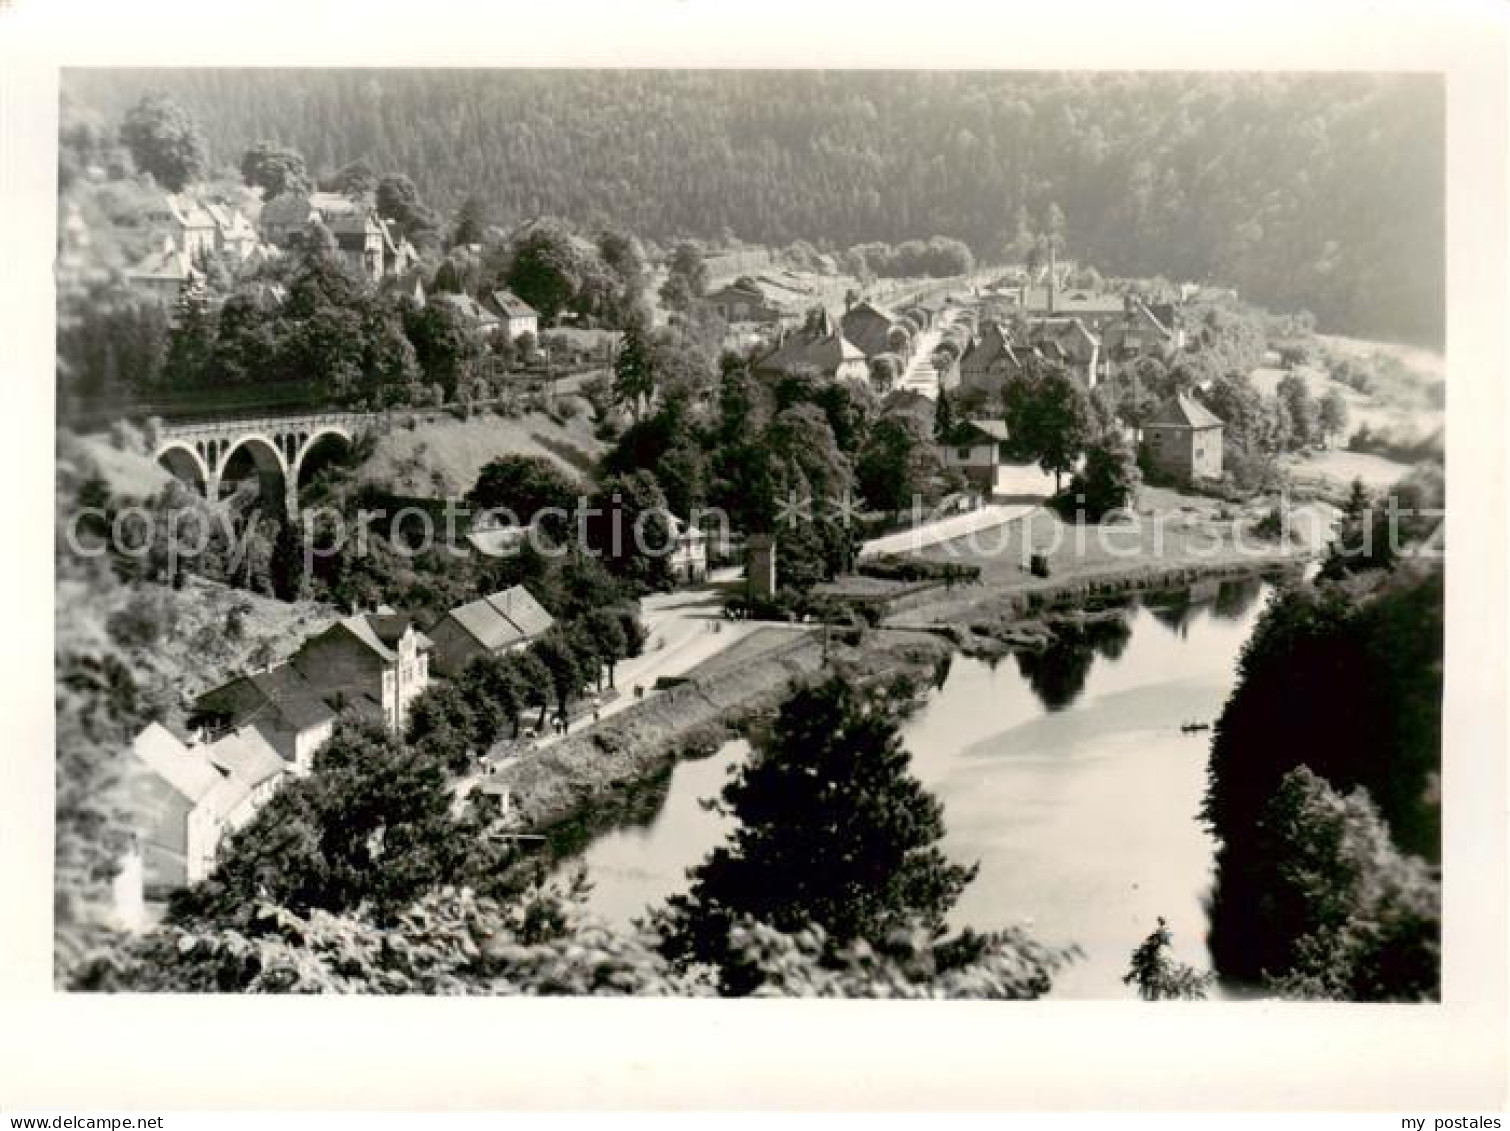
1315	192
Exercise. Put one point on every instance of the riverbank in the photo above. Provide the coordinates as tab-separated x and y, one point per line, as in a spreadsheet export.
994	619
715	702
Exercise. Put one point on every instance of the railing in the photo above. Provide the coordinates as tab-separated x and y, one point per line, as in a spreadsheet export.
261	423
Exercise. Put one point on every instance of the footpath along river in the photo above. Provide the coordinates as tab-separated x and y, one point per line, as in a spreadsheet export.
1064	773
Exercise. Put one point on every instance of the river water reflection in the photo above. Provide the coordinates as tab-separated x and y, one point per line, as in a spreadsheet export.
1065	774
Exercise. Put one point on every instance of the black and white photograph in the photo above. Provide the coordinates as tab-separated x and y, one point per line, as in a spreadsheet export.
923	532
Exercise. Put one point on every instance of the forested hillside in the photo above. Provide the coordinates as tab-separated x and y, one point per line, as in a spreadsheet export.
1317	192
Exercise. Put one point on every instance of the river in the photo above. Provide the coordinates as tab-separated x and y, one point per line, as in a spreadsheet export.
1065	774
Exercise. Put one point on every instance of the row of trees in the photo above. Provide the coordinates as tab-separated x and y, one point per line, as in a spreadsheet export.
460	720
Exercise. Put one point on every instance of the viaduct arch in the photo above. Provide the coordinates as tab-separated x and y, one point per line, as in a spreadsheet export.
216	457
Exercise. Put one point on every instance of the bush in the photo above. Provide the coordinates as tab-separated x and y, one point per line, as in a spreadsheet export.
896	567
145	619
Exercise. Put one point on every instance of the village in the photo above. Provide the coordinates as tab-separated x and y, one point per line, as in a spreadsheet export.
544	512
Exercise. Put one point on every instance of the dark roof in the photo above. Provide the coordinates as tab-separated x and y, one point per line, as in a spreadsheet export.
1181	411
510	305
824	353
503	619
466	306
869	327
279	689
390	628
992	349
994	429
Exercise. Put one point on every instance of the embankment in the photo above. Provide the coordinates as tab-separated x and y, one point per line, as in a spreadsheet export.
1005	607
746	681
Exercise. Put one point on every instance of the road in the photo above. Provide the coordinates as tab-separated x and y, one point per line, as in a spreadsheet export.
683	628
956	526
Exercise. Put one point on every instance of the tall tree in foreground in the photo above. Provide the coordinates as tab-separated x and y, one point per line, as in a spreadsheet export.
833	832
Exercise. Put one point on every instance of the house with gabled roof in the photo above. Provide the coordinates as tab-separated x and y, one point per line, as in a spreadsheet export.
501	622
1142	331
817	345
234	235
1183	438
372	663
279	703
1070	343
365	242
469	310
869	326
190	225
990	361
165	273
514	315
187	797
975	448
740	301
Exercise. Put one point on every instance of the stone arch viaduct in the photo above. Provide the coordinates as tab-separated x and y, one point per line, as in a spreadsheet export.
215	456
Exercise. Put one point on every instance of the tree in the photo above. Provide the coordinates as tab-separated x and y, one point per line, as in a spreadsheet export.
833	830
548	267
191	343
372	824
491	683
633	377
897	464
1296	395
164	140
541	942
943	418
1049	418
565	667
275	169
1108	481
355	180
610	641
99	709
1347	681
527	486
1333	416
398	200
1358	920
629	527
686	277
445	721
471	222
447	347
1159	976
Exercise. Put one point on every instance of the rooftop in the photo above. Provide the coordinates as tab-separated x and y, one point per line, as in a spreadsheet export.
1182	411
503	619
